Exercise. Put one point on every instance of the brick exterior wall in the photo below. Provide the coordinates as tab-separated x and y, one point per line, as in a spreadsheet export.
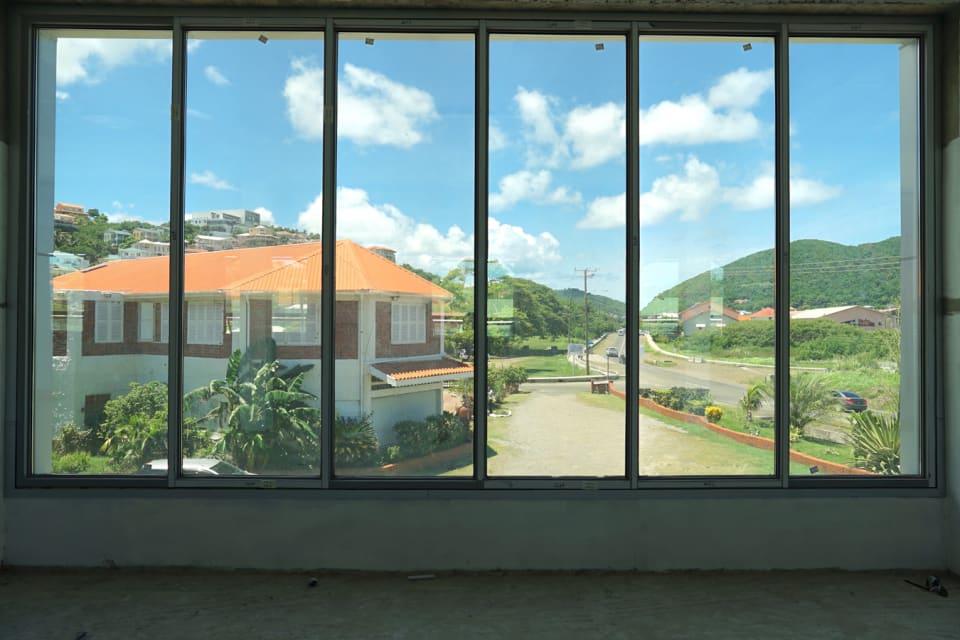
131	345
385	347
347	329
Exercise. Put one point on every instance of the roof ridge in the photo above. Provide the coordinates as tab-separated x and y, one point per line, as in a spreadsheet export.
239	283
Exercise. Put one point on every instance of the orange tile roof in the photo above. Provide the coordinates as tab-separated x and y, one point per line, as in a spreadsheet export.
418	371
289	268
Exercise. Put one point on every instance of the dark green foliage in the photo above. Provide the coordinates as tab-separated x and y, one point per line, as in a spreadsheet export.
72	439
134	430
435	433
823	274
876	441
600	304
809	340
355	441
265	416
505	380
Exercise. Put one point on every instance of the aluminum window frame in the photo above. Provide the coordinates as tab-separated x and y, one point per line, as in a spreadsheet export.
20	339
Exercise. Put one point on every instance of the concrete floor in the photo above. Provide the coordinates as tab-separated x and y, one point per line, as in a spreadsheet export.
133	604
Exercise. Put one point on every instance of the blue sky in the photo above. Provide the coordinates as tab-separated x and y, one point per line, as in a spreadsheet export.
405	145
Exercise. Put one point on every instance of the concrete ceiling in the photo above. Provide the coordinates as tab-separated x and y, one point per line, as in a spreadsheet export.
831	7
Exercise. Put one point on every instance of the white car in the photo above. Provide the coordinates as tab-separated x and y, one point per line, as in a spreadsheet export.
194	467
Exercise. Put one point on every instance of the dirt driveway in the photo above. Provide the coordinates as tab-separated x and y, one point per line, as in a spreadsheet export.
558	429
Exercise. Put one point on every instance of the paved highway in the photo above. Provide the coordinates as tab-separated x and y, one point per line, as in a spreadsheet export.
712	376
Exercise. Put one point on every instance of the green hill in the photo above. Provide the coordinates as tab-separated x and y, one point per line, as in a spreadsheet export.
600	304
822	274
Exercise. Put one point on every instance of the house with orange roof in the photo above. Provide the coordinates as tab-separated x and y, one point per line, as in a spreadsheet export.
709	313
390	358
767	313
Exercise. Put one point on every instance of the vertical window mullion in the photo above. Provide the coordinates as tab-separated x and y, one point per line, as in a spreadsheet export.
481	185
633	252
328	239
782	258
175	319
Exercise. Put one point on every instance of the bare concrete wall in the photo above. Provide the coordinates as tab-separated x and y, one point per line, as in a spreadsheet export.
951	282
475	534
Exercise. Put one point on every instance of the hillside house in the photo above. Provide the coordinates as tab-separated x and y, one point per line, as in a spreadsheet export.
389	362
706	314
854	315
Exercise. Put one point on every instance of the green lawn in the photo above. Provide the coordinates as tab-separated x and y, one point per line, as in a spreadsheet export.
545	366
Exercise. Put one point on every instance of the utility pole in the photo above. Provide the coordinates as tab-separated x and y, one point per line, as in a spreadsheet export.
587	273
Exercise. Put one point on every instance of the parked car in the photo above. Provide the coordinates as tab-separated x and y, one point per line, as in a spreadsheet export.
194	467
620	332
612	352
850	401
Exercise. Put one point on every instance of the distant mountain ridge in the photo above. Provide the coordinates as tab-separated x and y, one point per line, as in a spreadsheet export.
599	303
822	274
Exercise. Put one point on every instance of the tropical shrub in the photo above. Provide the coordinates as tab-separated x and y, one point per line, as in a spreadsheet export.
134	429
75	462
876	441
713	414
265	416
435	433
355	441
753	398
73	439
688	399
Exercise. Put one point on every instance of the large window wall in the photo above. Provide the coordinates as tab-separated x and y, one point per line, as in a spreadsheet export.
480	254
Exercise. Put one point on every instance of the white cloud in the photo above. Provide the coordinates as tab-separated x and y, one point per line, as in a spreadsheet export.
536	113
372	109
760	192
213	75
209	179
584	137
424	245
722	116
607	212
87	60
691	194
195	113
694	121
596	134
740	89
62	95
266	216
526	254
367	223
496	138
533	187
303	91
697	191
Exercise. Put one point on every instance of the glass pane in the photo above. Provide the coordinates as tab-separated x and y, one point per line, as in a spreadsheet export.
254	108
707	235
556	278
404	311
854	225
101	220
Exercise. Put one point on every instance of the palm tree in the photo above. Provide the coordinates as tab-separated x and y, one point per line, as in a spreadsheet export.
753	398
810	399
265	416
